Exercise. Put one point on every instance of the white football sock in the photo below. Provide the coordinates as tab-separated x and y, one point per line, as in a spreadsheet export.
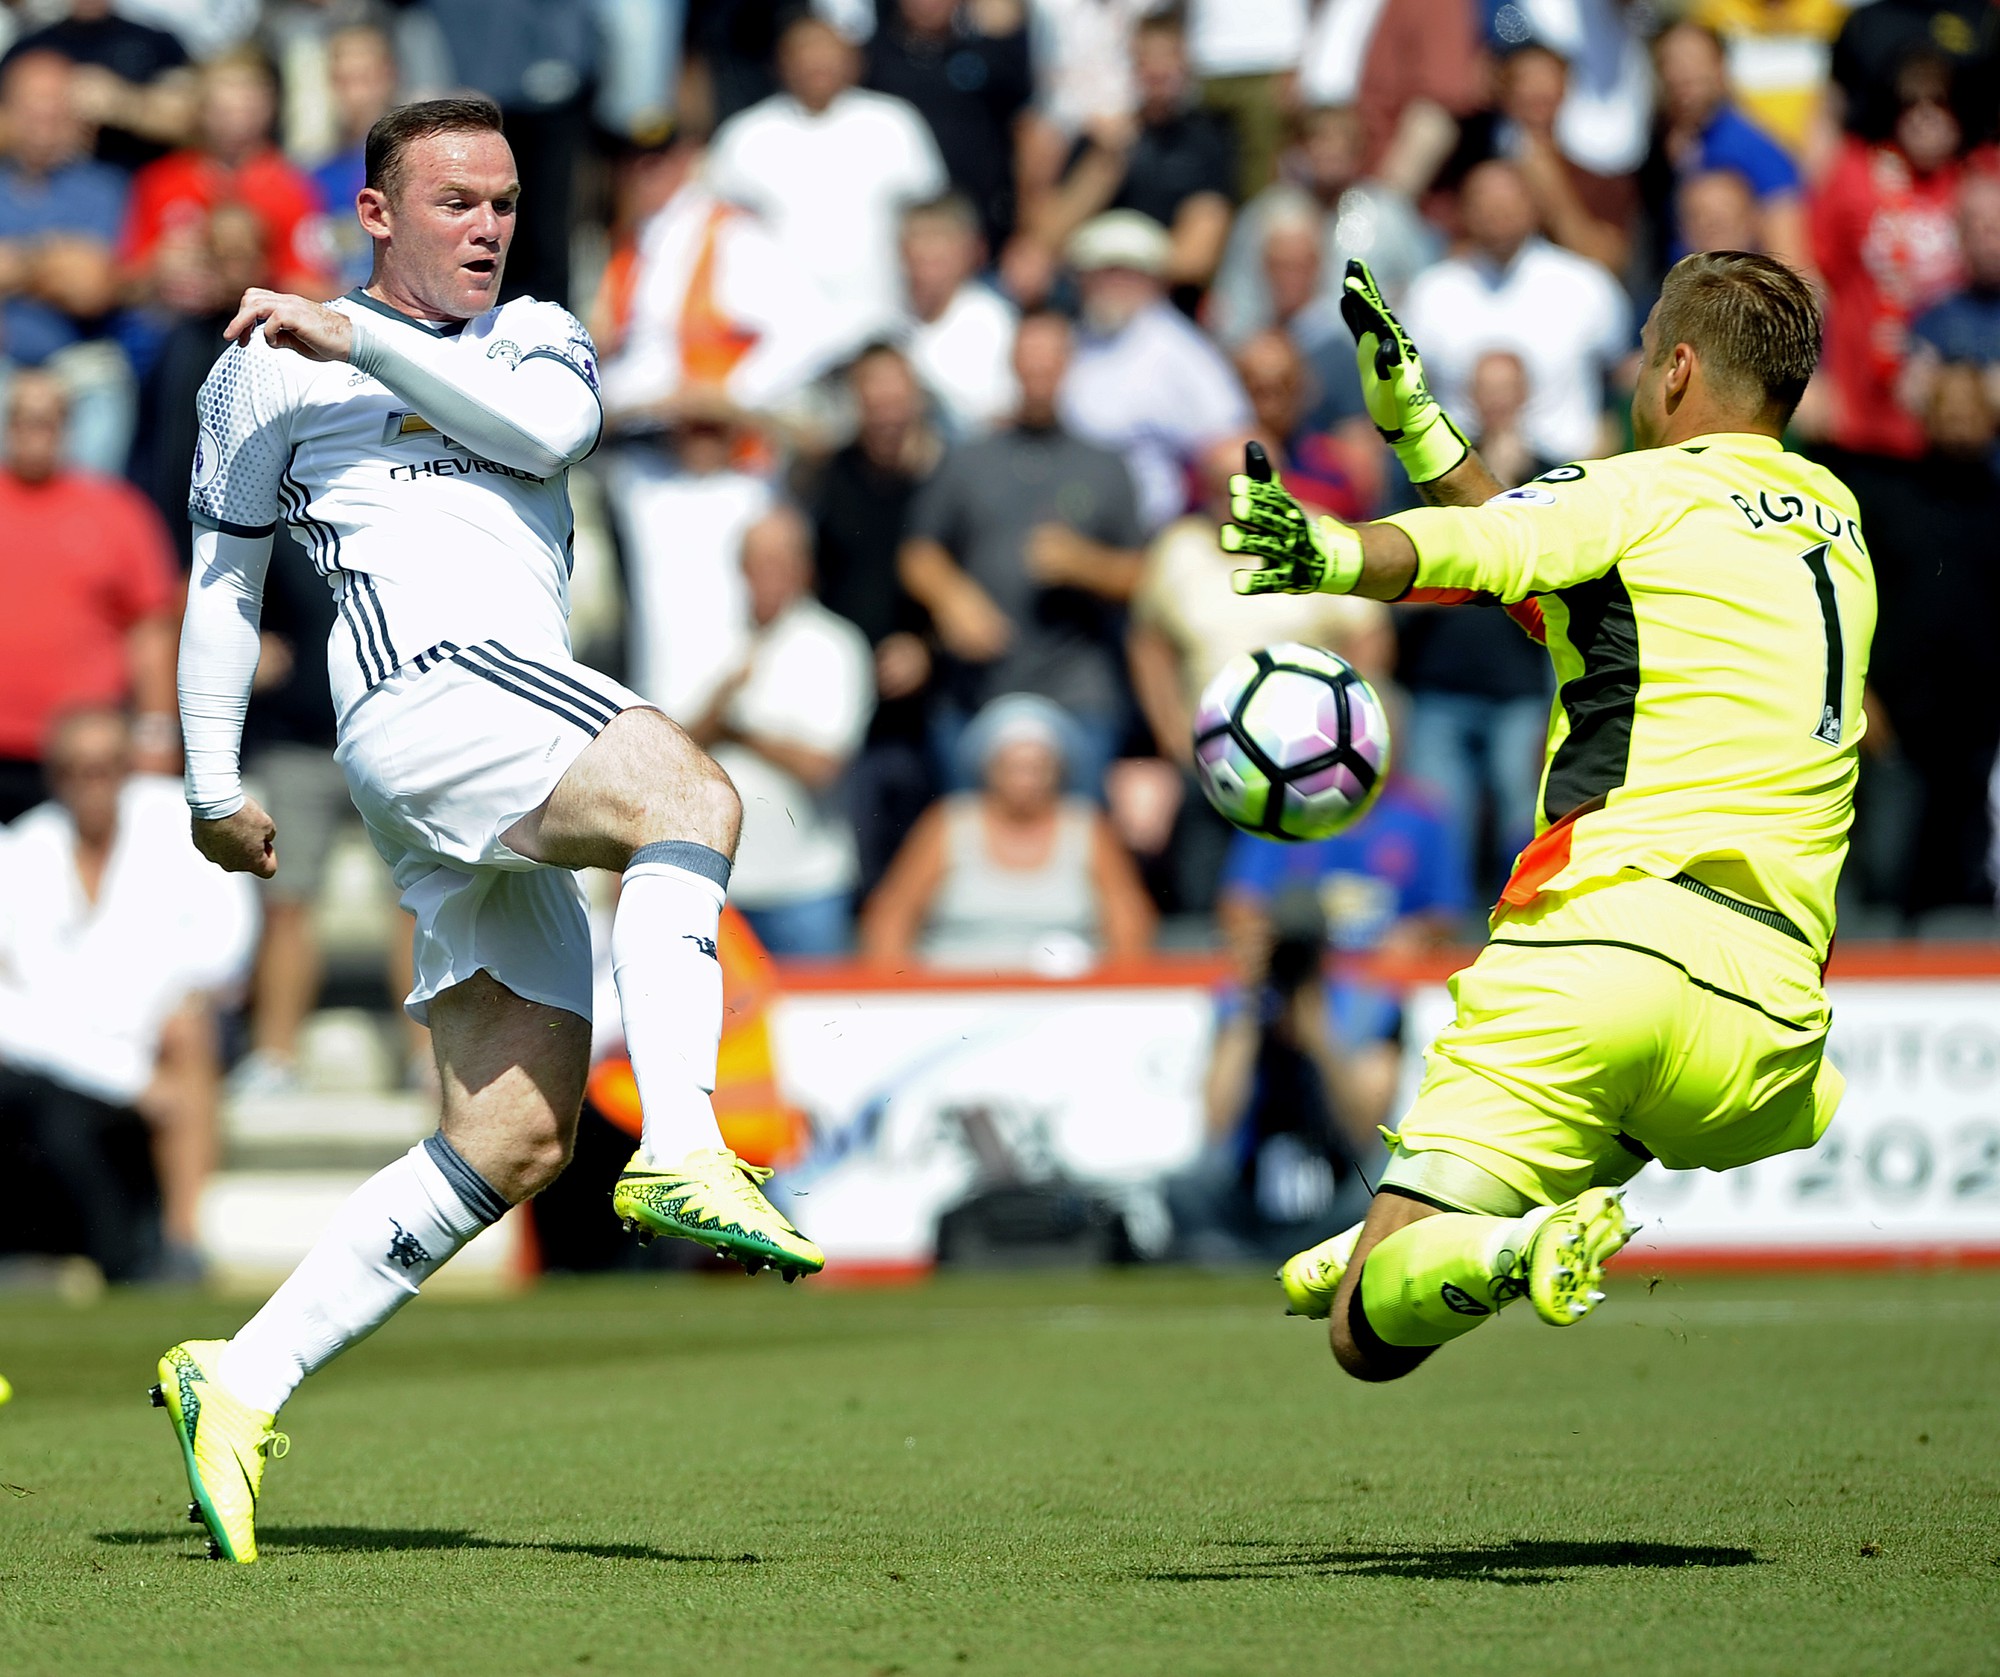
400	1225
670	991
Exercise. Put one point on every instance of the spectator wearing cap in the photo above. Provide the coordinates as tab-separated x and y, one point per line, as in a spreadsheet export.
1561	313
1700	129
1020	548
1014	875
361	80
1147	381
1171	162
60	213
235	162
89	579
785	725
114	935
970	85
830	167
134	84
1355	219
959	332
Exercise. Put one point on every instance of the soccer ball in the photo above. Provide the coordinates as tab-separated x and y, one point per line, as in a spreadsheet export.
1291	743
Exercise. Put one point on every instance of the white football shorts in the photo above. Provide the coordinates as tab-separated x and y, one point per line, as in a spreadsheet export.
441	759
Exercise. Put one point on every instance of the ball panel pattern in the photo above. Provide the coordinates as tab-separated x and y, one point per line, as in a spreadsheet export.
1291	743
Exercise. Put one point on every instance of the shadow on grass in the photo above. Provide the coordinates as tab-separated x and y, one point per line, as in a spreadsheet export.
1522	1561
306	1540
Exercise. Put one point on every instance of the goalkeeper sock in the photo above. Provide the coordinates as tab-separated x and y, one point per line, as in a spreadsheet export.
663	956
1442	1276
395	1230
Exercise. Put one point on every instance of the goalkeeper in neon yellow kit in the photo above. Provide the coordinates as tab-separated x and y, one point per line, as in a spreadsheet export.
1652	985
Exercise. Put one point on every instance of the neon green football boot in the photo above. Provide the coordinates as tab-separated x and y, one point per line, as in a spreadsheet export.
224	1446
715	1199
1310	1278
1563	1260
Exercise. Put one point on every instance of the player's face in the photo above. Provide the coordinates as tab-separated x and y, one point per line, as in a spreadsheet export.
452	222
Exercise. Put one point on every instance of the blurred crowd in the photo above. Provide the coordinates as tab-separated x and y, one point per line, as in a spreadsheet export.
930	331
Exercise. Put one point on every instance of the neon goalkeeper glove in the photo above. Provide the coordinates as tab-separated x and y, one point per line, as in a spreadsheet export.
1392	383
1299	555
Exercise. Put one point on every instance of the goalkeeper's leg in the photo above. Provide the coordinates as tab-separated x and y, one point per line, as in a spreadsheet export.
1422	1277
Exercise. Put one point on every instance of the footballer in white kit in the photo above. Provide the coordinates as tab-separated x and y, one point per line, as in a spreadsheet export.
458	702
416	439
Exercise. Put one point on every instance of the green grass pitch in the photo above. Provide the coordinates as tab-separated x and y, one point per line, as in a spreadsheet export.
1125	1473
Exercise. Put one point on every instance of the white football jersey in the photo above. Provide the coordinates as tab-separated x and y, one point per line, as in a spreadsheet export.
420	540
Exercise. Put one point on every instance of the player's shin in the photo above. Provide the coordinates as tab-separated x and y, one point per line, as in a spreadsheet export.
1442	1276
663	957
398	1227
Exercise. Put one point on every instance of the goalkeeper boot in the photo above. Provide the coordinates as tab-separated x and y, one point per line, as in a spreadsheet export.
1562	1261
1310	1278
717	1200
224	1446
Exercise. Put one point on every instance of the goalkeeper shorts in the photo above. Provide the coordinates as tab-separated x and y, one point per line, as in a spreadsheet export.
1609	1025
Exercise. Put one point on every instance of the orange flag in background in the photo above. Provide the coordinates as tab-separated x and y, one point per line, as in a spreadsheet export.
755	1120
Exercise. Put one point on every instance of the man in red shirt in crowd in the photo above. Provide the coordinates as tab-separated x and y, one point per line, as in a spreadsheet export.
1885	236
234	163
92	595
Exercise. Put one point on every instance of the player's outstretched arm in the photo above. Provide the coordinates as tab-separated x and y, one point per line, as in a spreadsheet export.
1443	467
1295	553
218	663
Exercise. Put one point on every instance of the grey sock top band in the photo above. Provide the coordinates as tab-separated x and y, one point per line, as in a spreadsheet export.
693	858
481	1198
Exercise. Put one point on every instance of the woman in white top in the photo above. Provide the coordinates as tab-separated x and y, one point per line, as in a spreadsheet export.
1014	875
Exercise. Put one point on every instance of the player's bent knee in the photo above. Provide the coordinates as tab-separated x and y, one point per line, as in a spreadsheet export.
1362	1352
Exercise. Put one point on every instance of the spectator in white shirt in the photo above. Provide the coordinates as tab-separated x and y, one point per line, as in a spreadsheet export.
1146	381
114	937
786	725
1510	289
681	510
960	334
713	302
830	167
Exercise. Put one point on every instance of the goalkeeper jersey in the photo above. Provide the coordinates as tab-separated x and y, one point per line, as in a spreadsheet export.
1708	608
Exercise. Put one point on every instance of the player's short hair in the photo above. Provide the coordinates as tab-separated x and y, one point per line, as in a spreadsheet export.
391	137
1752	320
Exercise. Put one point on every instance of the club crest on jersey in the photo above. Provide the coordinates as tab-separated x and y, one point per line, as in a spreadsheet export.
207	457
402	423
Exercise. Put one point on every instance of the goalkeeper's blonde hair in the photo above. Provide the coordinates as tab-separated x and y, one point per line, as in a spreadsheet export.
1754	323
